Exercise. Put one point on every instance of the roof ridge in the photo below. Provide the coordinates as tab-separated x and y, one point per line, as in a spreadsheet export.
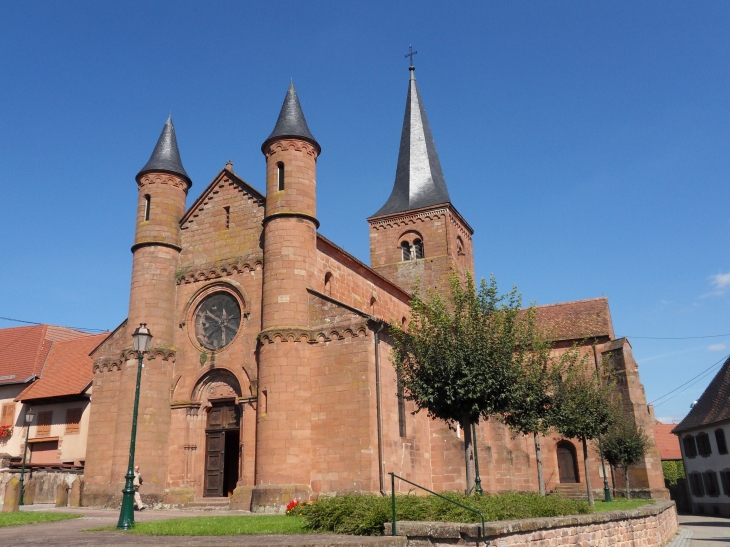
573	302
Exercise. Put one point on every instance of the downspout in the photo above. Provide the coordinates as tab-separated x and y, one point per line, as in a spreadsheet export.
377	406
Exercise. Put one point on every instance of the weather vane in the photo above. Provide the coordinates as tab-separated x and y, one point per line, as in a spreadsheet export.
411	53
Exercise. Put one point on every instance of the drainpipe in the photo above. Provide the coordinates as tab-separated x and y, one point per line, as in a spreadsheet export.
377	405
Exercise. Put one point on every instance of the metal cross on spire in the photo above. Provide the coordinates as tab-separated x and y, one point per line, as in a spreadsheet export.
411	53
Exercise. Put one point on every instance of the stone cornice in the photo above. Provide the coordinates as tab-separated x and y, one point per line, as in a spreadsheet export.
311	336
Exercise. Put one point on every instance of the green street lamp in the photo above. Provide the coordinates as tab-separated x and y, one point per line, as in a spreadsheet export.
142	337
606	489
28	420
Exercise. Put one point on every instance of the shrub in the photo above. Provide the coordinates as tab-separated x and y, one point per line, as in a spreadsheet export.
673	470
365	514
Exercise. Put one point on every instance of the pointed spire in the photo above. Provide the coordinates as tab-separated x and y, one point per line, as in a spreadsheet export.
291	122
419	181
166	156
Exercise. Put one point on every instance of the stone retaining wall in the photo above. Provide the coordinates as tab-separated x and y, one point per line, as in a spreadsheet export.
650	526
43	482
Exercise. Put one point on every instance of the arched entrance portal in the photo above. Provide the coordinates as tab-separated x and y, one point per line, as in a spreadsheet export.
219	393
567	462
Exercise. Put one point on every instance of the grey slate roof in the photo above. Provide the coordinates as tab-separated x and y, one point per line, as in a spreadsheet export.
419	181
166	156
291	122
713	405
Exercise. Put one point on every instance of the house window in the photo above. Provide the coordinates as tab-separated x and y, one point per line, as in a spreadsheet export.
725	479
690	449
695	482
418	248
8	414
280	175
711	486
147	202
703	445
721	442
43	429
73	419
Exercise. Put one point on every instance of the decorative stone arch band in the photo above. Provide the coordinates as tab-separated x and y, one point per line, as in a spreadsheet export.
218	384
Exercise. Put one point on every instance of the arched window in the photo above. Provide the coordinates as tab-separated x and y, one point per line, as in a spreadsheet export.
280	172
721	442
405	251
690	449
147	203
328	283
459	246
418	248
703	444
227	210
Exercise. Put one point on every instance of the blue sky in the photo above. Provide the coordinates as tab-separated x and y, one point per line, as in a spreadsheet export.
585	142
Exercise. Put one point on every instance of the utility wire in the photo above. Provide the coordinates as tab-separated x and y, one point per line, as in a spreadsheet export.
678	337
697	377
34	323
680	392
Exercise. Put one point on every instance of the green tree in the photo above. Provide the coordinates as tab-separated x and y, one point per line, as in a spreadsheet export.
459	358
531	405
624	445
582	406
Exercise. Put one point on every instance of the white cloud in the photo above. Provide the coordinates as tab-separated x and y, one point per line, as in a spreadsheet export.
717	347
720	281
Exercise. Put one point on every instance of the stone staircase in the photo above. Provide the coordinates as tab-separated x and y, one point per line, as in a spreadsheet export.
210	504
571	491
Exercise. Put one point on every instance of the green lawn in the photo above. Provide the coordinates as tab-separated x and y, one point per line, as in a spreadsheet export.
32	517
620	504
218	526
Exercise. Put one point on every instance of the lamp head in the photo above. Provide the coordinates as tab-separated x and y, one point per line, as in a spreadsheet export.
142	337
29	416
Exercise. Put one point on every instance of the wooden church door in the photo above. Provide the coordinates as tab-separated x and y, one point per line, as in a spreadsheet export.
222	449
566	463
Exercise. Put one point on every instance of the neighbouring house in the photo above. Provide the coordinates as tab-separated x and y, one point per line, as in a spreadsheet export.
47	369
666	442
703	438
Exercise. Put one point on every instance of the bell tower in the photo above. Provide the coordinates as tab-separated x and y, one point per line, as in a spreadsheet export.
418	236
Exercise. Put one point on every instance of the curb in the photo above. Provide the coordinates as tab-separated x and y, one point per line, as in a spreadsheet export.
681	539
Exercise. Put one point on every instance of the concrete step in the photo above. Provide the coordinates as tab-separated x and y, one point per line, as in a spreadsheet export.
210	504
571	491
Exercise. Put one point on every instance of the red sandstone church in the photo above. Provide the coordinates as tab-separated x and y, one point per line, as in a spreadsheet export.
269	378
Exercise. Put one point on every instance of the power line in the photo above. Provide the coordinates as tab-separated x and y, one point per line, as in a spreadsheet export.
697	377
34	323
679	393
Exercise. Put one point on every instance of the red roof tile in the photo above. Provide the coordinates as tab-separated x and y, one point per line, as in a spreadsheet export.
666	442
577	320
68	369
23	350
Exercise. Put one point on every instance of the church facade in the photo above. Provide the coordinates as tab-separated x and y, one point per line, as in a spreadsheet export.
269	376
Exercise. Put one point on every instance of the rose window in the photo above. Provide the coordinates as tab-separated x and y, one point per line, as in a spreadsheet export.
217	321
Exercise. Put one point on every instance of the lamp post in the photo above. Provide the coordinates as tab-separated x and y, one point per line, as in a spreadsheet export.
28	420
478	480
606	489
141	337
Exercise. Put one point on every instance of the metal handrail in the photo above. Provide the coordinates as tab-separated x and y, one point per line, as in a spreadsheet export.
392	502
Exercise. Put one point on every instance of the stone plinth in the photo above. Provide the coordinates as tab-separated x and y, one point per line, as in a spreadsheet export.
12	495
62	495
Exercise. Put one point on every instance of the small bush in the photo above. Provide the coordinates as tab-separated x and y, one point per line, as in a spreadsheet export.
673	470
365	514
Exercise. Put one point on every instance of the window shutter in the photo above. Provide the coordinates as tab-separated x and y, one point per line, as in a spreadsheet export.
44	424
73	418
8	414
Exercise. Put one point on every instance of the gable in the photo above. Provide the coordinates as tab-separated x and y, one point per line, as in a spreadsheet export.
225	222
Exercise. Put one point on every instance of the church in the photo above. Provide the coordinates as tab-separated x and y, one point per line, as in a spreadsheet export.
269	377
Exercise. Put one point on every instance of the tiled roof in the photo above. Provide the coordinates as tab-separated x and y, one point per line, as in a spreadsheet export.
667	443
577	320
68	369
713	405
23	350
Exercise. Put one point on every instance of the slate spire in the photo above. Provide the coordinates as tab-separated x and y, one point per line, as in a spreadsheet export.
166	156
419	181
291	122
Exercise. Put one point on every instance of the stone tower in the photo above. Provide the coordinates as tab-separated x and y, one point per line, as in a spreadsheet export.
418	234
283	447
163	186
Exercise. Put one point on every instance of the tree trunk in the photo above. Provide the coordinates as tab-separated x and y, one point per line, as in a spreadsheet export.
587	473
538	457
626	477
468	455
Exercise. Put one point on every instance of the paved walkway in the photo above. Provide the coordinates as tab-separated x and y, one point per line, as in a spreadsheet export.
705	531
70	533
